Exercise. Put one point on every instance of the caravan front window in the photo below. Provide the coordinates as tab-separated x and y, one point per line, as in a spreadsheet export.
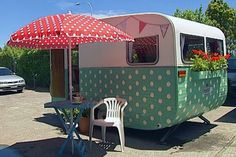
189	43
214	45
143	50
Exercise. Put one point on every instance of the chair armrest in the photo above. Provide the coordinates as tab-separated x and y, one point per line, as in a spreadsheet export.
94	107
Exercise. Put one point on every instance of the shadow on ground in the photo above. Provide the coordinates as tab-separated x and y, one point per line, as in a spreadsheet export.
150	140
229	117
42	148
8	93
137	139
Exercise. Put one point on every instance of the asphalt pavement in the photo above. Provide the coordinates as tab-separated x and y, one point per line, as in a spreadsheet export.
27	129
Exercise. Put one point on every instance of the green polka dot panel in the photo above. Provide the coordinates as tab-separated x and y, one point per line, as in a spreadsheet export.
156	97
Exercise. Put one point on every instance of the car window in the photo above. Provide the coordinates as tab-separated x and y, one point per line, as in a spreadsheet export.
5	71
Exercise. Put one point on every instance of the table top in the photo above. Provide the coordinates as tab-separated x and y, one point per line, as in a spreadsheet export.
66	104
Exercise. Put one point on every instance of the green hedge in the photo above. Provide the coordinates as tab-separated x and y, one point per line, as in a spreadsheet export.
32	65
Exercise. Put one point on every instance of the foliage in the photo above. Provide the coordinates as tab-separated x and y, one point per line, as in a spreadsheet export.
86	112
204	61
198	15
32	65
218	14
223	17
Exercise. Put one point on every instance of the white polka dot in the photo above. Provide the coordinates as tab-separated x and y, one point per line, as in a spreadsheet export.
159	89
123	82
144	77
123	72
117	86
190	90
159	77
123	92
159	113
190	79
168	121
144	111
168	72
151	118
152	106
130	87
137	104
144	122
168	84
137	93
117	76
130	77
168	108
130	98
130	120
144	99
130	109
168	96
152	95
180	92
137	116
160	101
136	72
151	84
151	72
137	83
144	88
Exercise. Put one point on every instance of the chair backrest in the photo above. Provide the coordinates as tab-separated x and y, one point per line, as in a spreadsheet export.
115	107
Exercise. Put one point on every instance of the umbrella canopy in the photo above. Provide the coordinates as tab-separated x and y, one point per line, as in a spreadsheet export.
57	31
66	31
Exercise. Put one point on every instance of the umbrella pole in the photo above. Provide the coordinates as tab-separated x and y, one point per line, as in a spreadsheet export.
70	92
70	71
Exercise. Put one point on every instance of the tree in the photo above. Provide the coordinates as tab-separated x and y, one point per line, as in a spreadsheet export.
198	15
223	17
218	14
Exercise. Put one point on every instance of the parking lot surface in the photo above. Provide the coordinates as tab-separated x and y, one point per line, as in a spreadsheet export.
30	130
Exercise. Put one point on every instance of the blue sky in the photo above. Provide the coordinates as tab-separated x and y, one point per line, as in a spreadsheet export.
17	13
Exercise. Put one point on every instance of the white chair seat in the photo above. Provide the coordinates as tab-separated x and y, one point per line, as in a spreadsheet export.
114	118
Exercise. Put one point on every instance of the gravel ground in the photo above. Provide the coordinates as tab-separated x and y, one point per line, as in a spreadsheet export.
30	130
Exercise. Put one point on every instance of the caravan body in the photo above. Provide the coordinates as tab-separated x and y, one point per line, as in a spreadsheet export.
153	73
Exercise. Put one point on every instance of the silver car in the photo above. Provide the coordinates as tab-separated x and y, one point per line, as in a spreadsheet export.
9	81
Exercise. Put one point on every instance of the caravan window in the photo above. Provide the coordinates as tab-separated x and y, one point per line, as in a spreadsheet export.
189	43
143	50
214	45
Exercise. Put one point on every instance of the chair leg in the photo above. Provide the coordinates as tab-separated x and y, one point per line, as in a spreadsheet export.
90	134
122	137
103	134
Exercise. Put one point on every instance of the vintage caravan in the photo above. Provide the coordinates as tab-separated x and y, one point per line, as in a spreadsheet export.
153	72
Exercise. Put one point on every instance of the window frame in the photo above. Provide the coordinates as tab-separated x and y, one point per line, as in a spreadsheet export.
223	52
182	57
145	63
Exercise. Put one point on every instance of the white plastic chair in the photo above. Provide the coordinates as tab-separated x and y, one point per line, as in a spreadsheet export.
114	118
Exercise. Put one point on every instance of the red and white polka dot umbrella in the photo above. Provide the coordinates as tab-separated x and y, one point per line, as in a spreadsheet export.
66	31
57	31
